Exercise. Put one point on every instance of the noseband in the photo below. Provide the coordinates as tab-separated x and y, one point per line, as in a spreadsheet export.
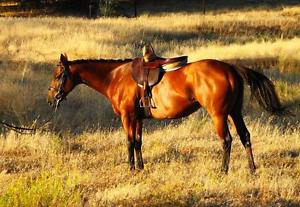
61	94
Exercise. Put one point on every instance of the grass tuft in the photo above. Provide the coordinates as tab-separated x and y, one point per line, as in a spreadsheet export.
46	189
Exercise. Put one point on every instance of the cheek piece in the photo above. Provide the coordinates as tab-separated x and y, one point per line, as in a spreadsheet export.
60	94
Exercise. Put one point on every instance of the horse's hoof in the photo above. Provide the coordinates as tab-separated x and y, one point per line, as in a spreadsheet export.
140	166
224	169
252	171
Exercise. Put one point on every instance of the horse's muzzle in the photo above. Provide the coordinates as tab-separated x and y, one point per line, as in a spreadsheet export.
51	103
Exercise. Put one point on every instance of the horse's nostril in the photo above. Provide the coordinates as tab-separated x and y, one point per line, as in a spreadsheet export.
50	103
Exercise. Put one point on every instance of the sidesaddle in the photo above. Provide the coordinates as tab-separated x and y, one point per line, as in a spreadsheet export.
147	71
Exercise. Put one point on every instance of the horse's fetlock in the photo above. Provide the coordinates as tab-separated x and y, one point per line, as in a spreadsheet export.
228	139
247	144
130	145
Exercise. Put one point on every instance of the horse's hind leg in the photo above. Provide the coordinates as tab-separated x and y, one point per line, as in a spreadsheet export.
244	137
220	123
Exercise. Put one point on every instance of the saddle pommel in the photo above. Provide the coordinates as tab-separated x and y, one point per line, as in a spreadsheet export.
148	53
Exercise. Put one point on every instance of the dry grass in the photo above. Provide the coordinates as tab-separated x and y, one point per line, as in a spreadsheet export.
182	166
82	162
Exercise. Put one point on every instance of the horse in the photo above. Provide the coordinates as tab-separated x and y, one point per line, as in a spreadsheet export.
214	85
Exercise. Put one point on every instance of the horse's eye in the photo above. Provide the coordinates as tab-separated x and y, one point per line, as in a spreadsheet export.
57	77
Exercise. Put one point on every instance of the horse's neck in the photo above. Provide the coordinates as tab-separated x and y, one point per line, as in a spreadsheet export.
97	75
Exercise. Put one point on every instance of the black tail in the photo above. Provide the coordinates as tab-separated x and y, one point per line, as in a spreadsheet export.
262	89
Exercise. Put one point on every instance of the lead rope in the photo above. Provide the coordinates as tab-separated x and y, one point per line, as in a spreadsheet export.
27	130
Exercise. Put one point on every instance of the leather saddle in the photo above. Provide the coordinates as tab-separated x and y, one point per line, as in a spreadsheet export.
153	71
147	71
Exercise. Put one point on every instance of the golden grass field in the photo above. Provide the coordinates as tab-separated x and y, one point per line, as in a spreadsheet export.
80	159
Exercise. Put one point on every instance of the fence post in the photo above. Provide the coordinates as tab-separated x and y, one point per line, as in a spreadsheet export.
135	7
203	6
90	10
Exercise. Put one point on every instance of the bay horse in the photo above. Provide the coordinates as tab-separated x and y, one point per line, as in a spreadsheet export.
215	85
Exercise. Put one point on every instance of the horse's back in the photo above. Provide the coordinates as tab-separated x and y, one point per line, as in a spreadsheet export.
210	73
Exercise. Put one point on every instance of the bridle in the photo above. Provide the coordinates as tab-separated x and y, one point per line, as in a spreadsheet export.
60	92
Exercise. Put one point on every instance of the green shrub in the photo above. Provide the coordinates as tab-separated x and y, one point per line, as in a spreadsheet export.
47	189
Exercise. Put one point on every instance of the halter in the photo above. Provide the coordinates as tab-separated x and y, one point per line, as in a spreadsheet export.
61	94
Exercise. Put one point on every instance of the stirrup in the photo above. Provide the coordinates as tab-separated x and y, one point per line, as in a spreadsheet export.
150	105
141	103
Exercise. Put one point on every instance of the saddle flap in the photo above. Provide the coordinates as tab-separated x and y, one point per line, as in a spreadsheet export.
154	76
137	70
142	72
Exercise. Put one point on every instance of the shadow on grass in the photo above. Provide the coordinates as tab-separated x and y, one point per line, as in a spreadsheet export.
206	33
293	153
16	164
195	6
284	159
172	154
209	199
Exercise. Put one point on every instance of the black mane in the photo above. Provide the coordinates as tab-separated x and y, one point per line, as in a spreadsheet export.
80	61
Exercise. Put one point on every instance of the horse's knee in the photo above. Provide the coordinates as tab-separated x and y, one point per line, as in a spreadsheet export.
226	142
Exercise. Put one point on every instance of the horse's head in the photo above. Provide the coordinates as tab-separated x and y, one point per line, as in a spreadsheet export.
61	84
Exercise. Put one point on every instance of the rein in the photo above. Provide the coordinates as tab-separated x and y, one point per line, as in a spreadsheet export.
26	130
17	129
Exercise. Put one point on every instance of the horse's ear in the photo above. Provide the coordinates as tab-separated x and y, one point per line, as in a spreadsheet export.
63	58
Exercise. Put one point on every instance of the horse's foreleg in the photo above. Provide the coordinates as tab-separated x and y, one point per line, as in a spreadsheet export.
138	145
130	128
221	126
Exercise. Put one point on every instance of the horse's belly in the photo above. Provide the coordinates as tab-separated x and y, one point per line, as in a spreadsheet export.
174	110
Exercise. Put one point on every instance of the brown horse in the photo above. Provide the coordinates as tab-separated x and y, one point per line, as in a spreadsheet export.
212	84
